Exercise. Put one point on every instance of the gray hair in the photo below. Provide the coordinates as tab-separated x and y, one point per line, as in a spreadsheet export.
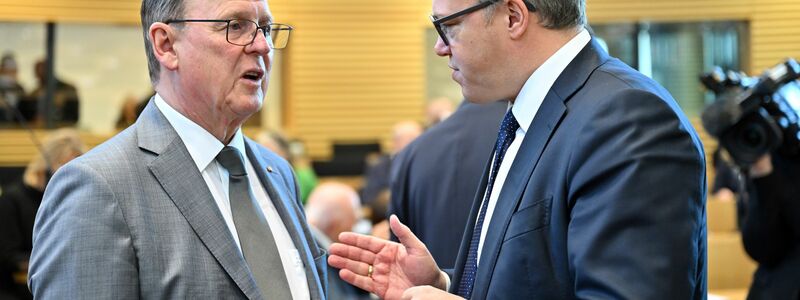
157	11
556	14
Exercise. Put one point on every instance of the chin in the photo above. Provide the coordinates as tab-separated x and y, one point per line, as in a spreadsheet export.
477	98
247	105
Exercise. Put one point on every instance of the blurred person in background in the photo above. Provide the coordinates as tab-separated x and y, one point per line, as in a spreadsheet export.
306	177
334	208
132	107
11	92
378	170
66	104
437	110
437	176
728	183
19	203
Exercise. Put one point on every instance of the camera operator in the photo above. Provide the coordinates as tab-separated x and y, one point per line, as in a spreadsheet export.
757	121
771	229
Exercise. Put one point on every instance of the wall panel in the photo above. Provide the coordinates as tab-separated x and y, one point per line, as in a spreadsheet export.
354	67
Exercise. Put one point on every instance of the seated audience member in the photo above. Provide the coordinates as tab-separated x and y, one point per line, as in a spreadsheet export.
66	104
18	206
454	153
377	173
378	215
131	109
306	177
334	208
11	92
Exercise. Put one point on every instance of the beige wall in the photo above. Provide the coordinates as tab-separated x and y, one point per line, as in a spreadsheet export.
354	67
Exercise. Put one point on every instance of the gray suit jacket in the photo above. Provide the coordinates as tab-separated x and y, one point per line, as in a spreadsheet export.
133	218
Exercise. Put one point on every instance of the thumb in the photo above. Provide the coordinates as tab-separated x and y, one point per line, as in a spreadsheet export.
405	236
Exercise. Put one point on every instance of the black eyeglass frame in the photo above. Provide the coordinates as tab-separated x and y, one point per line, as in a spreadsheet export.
438	23
264	29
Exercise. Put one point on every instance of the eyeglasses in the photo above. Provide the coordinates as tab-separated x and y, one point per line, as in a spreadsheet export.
243	32
444	30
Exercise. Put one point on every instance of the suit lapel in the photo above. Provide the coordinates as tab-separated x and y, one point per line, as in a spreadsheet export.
466	238
541	129
289	215
174	170
544	124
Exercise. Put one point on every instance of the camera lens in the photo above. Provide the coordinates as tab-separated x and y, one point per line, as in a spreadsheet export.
754	136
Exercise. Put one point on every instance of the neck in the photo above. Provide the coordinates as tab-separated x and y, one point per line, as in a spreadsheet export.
546	42
216	123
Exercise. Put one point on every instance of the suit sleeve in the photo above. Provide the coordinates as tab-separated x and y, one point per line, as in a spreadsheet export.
637	193
398	183
82	247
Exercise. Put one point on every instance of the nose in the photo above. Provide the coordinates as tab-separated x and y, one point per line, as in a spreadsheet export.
441	48
260	44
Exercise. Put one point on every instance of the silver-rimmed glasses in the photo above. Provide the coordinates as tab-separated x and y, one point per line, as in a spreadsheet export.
243	32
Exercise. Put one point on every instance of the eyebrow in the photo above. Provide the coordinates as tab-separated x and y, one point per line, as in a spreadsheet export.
242	16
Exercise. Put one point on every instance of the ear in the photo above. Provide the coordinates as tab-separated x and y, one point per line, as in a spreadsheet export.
162	39
518	18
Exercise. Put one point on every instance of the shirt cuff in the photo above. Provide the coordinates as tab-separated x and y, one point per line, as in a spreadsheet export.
447	280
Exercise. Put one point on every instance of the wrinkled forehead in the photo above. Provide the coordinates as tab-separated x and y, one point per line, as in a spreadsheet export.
229	9
443	8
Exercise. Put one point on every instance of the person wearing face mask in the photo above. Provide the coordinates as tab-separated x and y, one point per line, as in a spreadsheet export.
181	205
11	92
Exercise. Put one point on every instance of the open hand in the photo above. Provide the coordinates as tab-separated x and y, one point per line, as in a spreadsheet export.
395	266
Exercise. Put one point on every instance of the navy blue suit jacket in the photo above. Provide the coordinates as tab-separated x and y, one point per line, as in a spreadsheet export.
605	198
436	176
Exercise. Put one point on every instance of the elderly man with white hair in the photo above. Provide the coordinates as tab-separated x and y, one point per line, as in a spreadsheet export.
334	208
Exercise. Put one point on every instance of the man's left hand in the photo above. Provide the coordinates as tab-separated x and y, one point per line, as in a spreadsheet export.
427	292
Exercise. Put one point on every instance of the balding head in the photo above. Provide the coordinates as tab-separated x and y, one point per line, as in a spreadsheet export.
403	133
333	208
438	109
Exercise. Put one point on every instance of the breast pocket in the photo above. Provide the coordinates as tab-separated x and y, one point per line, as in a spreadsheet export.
529	217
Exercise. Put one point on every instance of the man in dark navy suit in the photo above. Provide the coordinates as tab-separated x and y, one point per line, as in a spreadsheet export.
596	188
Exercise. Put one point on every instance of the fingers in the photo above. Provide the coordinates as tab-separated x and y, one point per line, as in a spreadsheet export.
362	282
365	242
353	253
358	267
404	235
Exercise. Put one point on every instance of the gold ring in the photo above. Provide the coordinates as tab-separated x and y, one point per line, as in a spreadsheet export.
369	271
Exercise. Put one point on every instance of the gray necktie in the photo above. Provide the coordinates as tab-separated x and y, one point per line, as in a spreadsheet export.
258	244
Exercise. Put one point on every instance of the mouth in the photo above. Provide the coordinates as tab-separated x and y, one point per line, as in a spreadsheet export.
254	75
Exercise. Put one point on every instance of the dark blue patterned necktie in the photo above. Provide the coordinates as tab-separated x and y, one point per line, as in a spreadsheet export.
505	136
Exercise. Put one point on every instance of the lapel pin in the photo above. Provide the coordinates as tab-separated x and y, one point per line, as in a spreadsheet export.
269	169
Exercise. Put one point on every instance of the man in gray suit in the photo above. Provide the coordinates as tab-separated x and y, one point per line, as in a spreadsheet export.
181	205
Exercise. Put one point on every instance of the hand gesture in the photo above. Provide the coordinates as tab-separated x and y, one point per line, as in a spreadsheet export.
383	267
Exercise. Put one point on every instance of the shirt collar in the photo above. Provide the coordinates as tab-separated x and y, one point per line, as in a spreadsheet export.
203	147
532	95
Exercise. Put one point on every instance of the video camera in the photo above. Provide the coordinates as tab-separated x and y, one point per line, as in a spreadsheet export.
754	116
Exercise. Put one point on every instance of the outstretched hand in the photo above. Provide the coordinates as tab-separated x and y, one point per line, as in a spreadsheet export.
395	266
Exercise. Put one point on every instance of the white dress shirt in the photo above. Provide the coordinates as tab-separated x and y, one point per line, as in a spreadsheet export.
203	148
524	107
